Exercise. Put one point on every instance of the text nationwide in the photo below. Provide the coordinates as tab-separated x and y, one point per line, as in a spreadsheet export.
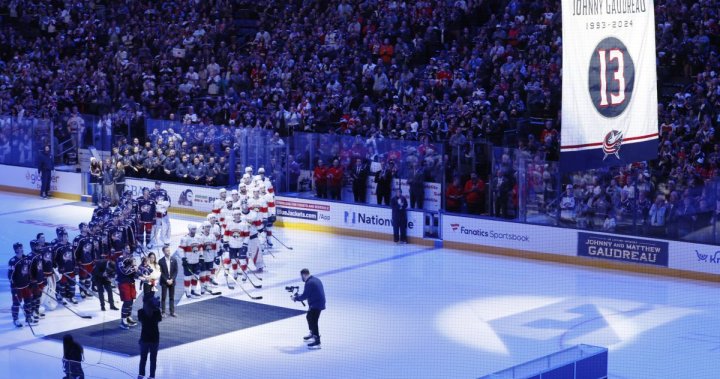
494	235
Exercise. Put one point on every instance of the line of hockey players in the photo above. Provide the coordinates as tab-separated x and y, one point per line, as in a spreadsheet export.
99	258
235	235
244	219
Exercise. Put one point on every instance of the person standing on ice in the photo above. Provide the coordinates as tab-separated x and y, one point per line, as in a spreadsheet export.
45	169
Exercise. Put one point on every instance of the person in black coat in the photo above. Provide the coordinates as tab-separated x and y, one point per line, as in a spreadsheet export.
384	179
149	316
314	293
399	217
359	175
102	274
416	181
46	165
168	273
72	358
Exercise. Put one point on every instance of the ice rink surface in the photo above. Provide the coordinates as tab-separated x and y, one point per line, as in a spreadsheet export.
396	311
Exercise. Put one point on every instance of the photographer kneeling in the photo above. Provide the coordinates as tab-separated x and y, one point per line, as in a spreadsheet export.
315	295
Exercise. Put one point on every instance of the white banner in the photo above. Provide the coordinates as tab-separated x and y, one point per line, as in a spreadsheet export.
694	257
344	216
609	90
184	196
535	238
29	178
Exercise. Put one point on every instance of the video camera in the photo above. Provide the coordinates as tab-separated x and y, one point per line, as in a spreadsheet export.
293	292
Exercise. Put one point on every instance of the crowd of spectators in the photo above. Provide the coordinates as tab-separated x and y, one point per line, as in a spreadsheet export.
454	72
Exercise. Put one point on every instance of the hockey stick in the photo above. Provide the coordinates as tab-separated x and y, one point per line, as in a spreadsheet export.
244	290
68	307
248	278
281	242
81	286
28	320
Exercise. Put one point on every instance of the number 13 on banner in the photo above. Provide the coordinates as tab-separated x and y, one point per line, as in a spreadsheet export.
611	77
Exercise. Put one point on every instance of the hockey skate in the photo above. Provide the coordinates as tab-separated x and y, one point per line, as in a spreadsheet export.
31	321
39	314
187	294
130	321
17	323
315	344
72	300
124	325
308	337
214	282
194	294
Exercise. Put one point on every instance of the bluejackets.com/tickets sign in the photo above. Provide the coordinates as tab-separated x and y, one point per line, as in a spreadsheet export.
609	90
621	248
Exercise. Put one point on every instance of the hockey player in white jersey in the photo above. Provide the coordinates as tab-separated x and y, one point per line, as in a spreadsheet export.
217	232
271	213
235	196
162	220
247	180
190	249
262	179
226	213
236	241
207	257
243	194
256	246
219	203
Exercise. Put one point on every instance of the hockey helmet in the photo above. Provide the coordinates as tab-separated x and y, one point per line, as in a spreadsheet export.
234	193
248	169
192	226
205	224
59	231
261	170
222	192
210	216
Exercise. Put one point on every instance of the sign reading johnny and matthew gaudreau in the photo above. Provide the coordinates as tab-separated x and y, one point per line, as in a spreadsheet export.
624	249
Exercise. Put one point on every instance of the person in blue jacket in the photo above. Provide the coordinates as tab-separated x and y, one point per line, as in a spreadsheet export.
45	169
314	293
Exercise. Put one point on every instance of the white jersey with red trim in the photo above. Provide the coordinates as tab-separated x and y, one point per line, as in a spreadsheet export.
209	246
161	207
237	234
218	205
260	206
270	200
225	216
254	220
190	247
217	233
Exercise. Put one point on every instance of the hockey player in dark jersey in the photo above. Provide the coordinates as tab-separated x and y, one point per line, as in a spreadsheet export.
37	277
103	209
65	262
19	277
126	275
118	234
146	214
84	252
49	266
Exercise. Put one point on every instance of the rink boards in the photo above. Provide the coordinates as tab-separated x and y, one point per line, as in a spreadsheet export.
636	254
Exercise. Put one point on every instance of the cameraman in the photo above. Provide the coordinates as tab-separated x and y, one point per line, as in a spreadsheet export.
315	295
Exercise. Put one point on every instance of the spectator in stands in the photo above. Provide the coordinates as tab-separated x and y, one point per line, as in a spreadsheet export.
119	181
384	180
454	195
657	215
96	179
335	179
320	179
474	191
568	205
359	175
416	182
